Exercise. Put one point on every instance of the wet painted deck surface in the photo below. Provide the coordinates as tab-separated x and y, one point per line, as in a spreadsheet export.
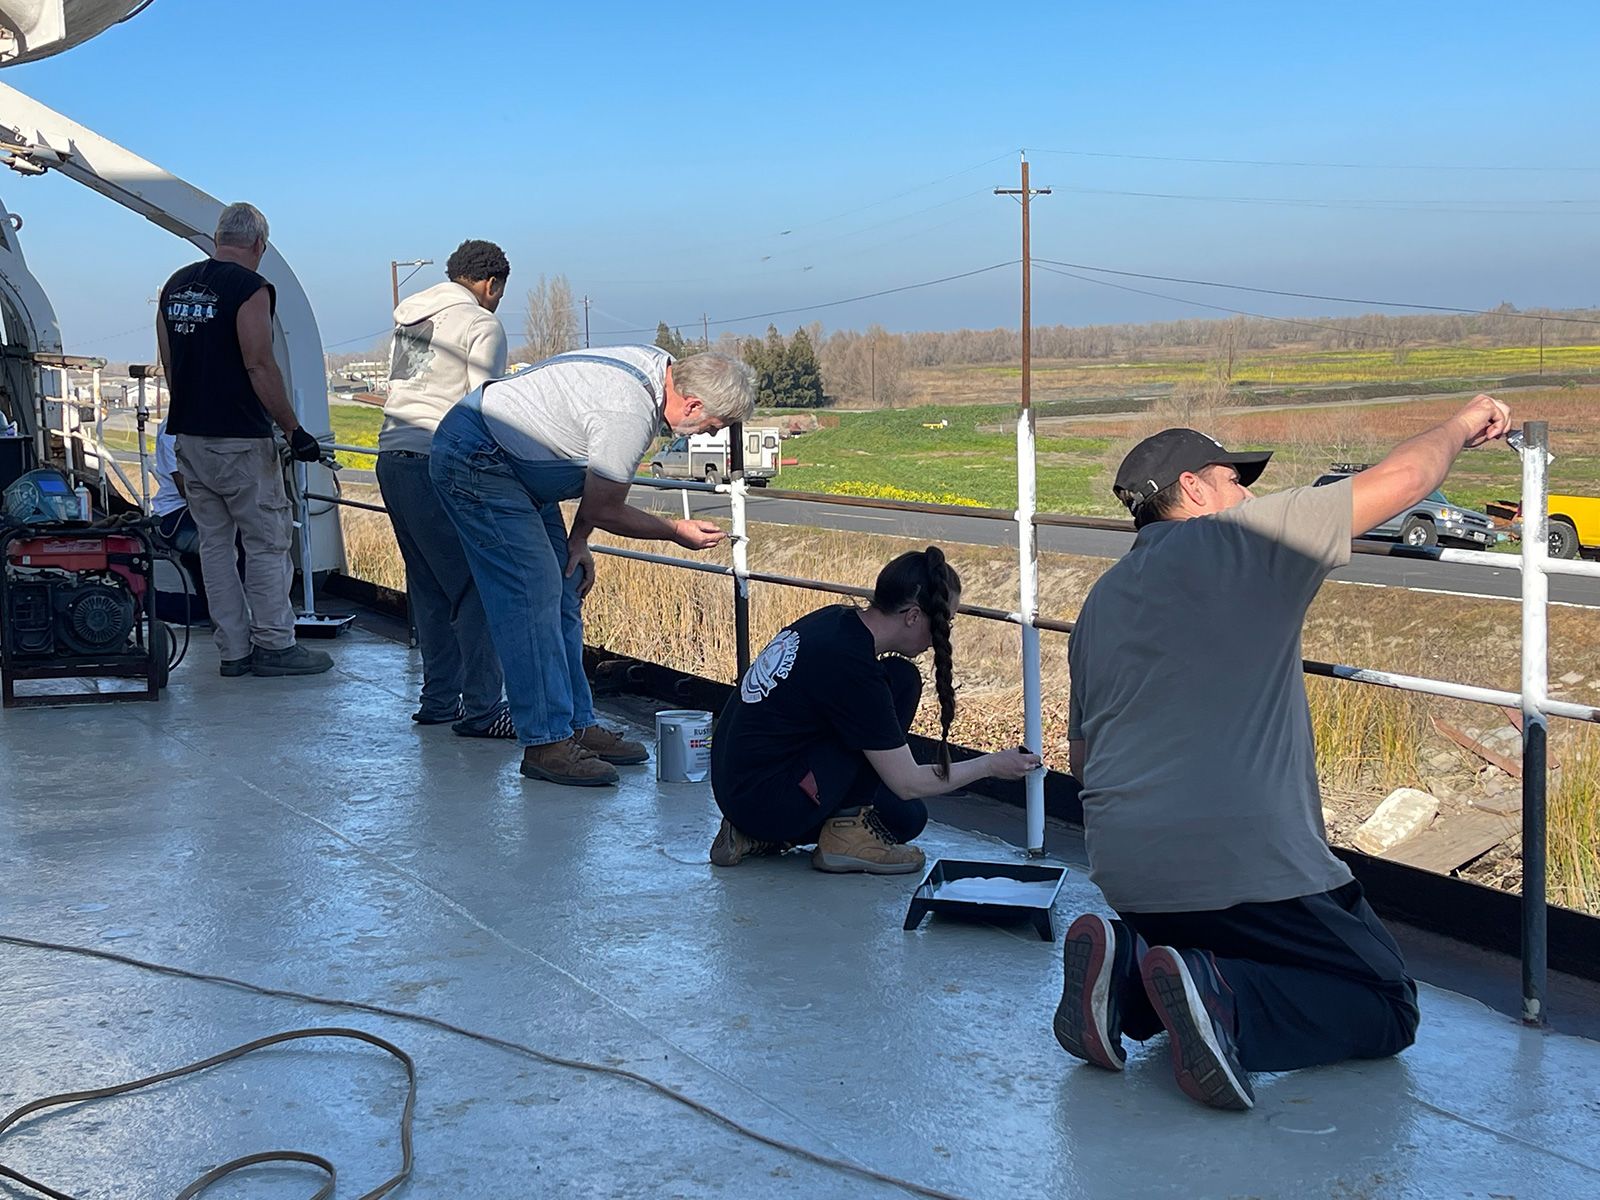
304	834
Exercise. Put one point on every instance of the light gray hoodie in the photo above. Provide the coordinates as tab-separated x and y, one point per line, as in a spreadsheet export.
445	344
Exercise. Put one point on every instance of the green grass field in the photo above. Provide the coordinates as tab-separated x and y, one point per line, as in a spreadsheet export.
967	461
1327	367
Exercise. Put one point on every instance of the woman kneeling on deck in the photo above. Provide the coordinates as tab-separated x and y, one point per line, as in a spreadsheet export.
813	748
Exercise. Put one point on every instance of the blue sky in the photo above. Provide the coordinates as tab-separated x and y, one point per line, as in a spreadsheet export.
655	154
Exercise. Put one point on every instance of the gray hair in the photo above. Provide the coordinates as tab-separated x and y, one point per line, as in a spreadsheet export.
725	386
241	225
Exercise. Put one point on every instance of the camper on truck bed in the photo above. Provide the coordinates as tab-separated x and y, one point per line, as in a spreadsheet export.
705	456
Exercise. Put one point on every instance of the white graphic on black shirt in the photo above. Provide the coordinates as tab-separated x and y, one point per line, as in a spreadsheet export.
770	668
190	307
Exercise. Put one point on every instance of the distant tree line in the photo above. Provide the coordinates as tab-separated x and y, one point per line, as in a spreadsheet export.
1505	326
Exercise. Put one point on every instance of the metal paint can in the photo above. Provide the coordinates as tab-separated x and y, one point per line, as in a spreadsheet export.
683	745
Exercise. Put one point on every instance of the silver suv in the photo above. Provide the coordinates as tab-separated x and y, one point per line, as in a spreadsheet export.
1430	523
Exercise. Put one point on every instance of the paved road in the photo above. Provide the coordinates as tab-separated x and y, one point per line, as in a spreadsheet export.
1415	574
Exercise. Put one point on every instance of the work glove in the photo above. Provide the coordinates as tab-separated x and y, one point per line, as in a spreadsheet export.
304	447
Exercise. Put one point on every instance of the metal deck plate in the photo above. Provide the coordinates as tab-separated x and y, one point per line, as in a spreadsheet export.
303	833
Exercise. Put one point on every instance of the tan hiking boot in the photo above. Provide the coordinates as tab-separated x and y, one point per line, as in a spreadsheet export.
566	763
730	847
612	747
861	842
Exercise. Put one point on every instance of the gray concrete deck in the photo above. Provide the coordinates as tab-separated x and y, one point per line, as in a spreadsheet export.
304	834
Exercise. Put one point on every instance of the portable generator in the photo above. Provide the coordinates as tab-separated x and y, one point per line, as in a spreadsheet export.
75	603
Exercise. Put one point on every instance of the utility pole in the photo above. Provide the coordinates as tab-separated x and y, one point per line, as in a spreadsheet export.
394	274
1541	345
872	347
1026	193
586	322
1027	534
705	332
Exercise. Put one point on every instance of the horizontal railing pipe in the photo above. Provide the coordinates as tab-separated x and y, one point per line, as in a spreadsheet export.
665	560
361	504
1068	521
1572	566
1342	671
1451	691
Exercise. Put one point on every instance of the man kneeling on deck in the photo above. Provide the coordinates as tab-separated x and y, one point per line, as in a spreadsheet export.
1240	933
813	748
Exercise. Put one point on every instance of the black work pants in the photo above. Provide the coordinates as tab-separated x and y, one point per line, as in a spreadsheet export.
1315	980
837	777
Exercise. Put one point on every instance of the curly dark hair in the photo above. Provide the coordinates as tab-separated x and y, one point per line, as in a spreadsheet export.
475	259
922	578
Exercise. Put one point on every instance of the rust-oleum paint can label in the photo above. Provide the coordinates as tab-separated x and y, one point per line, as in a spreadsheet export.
683	745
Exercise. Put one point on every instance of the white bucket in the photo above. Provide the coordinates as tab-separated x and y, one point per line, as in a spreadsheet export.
683	745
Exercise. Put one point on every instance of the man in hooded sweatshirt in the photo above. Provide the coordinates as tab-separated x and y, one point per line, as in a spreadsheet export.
447	342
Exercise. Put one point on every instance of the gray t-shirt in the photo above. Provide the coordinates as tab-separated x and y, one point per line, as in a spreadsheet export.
598	407
1200	774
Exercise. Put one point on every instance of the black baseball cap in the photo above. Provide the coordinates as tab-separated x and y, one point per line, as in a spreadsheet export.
1158	461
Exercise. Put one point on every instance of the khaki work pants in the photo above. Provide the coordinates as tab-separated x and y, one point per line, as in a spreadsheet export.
235	489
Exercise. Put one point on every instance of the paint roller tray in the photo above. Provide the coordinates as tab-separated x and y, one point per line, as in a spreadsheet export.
989	891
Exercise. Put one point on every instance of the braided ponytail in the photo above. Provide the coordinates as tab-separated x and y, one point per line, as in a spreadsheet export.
922	578
937	603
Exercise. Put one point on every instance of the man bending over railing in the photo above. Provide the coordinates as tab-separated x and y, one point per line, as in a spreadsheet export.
505	458
1240	933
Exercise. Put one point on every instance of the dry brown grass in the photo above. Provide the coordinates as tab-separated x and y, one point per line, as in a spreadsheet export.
1369	740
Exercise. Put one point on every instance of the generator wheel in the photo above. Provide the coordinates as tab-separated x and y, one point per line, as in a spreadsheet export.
160	652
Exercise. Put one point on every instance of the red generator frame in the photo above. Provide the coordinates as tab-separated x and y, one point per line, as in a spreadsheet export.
127	553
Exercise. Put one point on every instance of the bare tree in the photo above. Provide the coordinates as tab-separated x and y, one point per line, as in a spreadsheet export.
867	368
552	322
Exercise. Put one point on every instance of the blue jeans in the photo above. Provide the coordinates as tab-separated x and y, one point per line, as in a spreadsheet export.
459	669
508	513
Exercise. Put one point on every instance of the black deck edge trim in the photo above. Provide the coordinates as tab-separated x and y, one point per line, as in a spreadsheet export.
373	595
1457	908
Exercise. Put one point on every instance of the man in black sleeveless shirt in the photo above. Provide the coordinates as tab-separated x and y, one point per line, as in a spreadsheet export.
215	332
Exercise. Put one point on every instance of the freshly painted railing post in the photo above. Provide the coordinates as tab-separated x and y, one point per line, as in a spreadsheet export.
1535	727
738	494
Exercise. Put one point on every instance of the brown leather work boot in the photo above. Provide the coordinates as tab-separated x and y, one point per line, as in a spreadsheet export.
861	842
612	747
731	847
566	763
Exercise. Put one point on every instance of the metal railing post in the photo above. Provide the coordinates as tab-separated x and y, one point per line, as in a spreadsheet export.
1028	607
141	415
302	514
100	441
738	494
1535	725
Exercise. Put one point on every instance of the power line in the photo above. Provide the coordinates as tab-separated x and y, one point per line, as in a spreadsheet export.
363	338
786	251
1349	166
850	212
1240	312
783	312
1240	287
148	327
1463	207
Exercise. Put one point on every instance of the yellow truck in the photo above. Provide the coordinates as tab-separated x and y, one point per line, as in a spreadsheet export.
1574	524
